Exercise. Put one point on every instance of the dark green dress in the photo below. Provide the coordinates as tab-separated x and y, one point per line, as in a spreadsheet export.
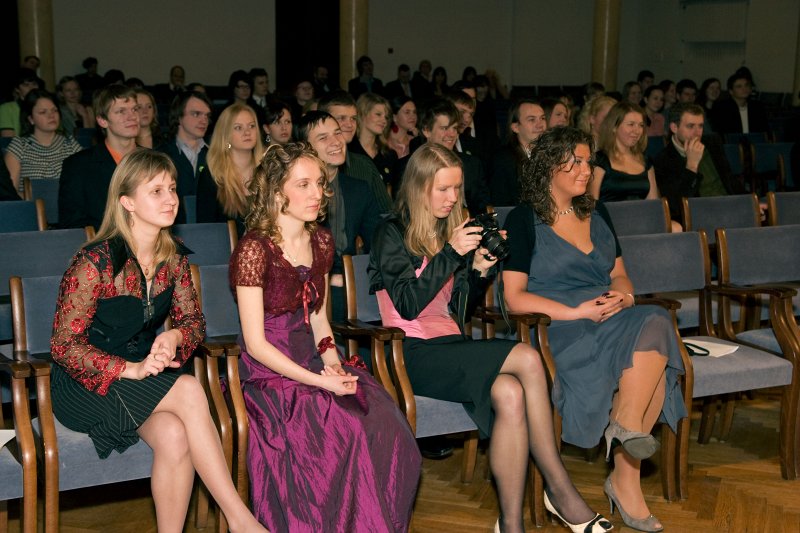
103	319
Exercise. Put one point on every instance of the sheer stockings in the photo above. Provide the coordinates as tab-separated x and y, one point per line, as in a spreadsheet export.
524	424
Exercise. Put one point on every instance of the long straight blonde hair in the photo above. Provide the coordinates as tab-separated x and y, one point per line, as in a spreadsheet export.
136	168
414	204
231	189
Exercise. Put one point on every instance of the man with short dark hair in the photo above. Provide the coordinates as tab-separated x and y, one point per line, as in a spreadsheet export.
438	122
646	78
422	82
259	79
342	107
402	85
189	118
365	82
322	84
85	176
164	93
352	211
692	165
739	113
686	91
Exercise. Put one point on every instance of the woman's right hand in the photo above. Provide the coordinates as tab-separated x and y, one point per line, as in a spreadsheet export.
152	365
465	239
598	309
341	385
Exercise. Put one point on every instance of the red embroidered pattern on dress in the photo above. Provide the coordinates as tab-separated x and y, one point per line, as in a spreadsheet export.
90	279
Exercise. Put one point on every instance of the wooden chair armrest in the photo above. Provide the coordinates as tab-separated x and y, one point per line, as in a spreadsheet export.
530	319
17	369
667	303
780	291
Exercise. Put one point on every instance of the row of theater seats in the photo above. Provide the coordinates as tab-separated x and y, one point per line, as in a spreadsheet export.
660	263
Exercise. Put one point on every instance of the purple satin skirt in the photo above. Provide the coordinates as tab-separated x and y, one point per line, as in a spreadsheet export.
320	462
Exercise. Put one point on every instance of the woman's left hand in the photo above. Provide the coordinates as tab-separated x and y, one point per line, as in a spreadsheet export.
165	346
333	370
483	260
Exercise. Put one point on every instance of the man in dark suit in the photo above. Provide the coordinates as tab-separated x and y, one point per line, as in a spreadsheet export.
164	93
365	82
85	176
422	82
739	114
189	118
402	85
692	165
352	211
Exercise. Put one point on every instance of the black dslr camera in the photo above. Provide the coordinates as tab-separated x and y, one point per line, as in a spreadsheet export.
490	235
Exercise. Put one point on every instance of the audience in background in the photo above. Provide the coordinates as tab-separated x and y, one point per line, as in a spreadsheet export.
653	104
235	151
85	176
365	82
149	129
709	93
686	91
25	82
632	92
74	115
277	122
374	119
90	81
39	152
164	93
621	169
739	113
404	125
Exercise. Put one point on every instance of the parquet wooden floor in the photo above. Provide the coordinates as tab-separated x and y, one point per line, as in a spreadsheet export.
734	486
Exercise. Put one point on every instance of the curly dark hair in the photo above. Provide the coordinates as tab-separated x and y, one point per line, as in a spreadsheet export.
550	152
268	180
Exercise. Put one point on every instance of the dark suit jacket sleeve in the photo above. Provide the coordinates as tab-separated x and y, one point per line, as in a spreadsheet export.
370	219
503	180
208	208
674	180
72	207
475	190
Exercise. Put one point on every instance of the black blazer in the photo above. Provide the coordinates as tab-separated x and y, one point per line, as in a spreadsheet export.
208	207
361	217
394	89
504	178
187	178
83	187
675	181
725	117
356	87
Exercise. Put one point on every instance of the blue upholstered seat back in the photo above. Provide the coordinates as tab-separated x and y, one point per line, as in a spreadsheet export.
710	213
787	207
33	254
763	255
638	217
210	242
222	315
367	303
39	297
18	216
47	190
666	262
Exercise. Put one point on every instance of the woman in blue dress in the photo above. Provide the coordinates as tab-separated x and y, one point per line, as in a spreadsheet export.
617	365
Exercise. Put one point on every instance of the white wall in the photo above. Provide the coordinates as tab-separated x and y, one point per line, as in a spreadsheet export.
529	42
146	37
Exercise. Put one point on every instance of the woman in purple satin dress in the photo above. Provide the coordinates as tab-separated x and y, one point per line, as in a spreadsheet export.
328	448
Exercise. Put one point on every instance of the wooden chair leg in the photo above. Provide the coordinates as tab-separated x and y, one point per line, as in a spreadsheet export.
201	510
591	454
707	420
536	495
4	516
669	458
726	416
682	461
470	457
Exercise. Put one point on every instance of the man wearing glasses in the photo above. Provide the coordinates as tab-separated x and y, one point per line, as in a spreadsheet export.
85	176
189	118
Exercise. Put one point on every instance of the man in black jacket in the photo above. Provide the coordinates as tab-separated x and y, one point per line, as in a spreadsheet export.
85	176
189	118
692	165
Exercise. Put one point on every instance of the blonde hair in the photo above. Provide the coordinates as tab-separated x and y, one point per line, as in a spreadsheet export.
608	130
591	109
136	168
364	105
231	189
268	181
413	200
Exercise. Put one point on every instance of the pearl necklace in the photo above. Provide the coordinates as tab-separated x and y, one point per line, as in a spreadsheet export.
567	211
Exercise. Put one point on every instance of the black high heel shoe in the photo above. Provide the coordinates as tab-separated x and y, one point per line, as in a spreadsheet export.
598	524
638	445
